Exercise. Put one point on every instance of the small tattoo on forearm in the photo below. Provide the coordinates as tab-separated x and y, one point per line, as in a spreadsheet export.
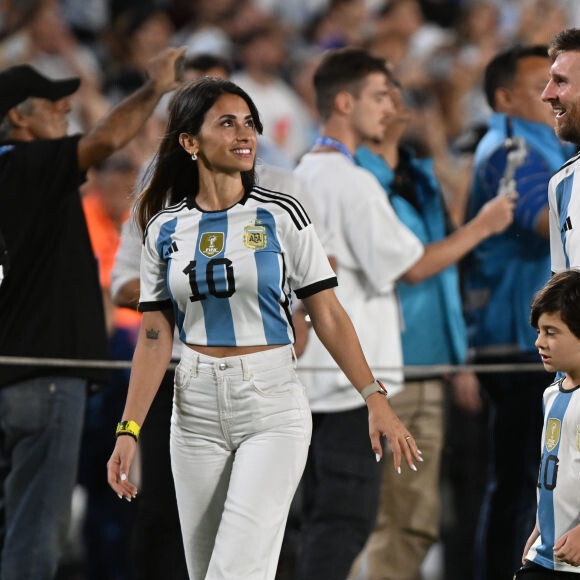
152	333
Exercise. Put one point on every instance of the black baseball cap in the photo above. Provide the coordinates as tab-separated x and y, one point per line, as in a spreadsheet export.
20	82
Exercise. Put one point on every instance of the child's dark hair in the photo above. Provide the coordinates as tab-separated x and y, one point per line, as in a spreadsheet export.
562	295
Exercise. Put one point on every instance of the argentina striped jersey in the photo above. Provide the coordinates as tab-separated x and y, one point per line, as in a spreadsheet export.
564	199
228	274
559	475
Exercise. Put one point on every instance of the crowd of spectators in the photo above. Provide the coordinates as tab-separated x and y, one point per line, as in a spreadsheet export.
438	51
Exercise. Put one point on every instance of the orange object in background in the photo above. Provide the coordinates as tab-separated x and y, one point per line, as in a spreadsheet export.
107	205
105	237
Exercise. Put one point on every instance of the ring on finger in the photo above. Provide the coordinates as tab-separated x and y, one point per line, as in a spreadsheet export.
408	437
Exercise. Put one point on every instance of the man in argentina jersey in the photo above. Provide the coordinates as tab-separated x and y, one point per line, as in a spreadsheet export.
564	199
553	548
501	277
563	93
240	254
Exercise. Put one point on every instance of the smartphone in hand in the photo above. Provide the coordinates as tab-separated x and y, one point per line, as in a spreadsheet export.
180	69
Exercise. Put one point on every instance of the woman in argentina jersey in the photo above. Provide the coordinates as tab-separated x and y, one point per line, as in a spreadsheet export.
220	258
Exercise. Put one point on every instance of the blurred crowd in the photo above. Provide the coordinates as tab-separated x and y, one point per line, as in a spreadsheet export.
438	50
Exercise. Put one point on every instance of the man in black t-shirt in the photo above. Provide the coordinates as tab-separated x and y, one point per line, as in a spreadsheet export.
50	301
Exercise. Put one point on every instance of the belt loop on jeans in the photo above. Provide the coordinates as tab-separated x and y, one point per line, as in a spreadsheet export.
195	365
294	357
245	369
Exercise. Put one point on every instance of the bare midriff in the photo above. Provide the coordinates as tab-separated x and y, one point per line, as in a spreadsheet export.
225	351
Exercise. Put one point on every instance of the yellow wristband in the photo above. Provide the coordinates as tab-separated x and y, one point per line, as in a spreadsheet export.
128	428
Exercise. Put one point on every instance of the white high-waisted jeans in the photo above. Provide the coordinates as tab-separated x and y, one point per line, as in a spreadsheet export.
240	433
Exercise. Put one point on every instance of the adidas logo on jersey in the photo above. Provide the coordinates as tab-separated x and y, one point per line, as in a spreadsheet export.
567	225
170	250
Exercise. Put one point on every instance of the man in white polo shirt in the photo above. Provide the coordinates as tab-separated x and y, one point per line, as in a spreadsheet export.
372	249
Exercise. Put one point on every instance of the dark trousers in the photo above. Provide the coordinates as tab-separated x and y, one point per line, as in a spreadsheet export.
508	511
40	432
107	519
464	465
532	571
340	489
157	543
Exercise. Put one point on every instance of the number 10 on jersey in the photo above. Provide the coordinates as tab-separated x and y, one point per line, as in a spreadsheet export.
218	275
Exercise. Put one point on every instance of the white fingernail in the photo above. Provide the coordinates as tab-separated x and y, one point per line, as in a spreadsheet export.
128	499
123	476
119	496
399	470
420	459
419	452
413	468
378	457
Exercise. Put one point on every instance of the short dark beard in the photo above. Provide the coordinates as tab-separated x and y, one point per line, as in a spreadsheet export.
570	134
570	131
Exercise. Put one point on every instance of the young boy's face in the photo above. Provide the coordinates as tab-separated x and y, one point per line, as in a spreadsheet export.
557	345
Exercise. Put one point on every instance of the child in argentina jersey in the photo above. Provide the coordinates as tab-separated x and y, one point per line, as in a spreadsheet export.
228	274
554	544
564	200
559	475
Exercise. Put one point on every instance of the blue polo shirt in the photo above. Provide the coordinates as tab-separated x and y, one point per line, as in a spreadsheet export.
503	273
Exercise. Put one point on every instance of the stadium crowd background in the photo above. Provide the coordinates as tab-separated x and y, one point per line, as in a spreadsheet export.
438	50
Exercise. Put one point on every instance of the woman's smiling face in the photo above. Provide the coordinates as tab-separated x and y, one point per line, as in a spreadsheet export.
227	139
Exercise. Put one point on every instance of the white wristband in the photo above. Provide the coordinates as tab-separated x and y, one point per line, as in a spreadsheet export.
375	387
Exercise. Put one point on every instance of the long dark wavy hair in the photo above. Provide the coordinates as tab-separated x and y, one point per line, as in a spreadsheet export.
174	175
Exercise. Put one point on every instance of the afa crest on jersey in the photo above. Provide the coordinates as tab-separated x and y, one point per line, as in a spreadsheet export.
578	437
552	433
255	237
211	243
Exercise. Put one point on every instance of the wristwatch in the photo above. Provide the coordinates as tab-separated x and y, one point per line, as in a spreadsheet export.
375	387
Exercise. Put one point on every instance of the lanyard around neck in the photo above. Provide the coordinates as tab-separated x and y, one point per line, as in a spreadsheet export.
335	144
